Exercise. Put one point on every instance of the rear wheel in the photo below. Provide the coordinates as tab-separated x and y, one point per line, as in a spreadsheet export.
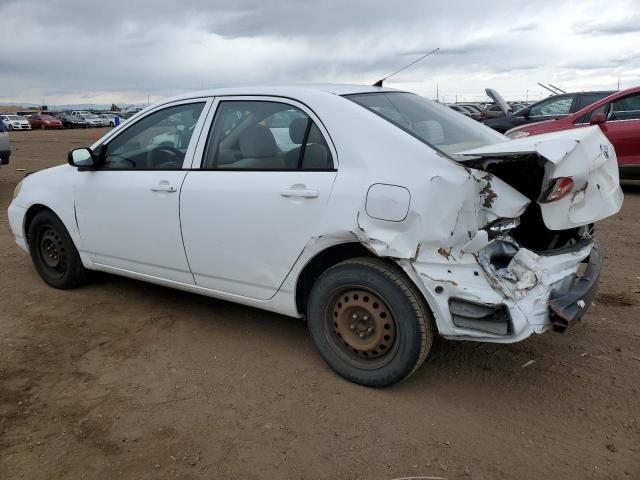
53	253
369	322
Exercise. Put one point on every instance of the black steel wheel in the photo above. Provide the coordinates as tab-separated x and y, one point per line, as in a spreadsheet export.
53	253
369	322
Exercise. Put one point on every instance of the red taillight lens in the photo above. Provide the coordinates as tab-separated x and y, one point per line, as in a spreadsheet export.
557	188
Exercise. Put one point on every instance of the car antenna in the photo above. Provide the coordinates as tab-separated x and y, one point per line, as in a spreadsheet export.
547	88
379	82
557	88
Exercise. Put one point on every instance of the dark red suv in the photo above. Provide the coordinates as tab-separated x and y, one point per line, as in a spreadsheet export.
619	118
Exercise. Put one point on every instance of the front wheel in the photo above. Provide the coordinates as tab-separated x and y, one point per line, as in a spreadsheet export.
369	322
53	253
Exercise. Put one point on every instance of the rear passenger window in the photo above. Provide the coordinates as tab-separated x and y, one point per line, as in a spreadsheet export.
257	135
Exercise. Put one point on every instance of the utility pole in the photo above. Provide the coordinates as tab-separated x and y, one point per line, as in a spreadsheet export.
618	82
437	95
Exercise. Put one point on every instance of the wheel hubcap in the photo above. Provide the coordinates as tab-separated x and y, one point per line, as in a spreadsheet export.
363	323
52	250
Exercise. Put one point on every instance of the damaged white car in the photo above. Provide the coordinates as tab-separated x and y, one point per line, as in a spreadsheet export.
383	218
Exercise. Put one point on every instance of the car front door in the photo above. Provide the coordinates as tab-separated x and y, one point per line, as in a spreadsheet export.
128	209
252	203
622	128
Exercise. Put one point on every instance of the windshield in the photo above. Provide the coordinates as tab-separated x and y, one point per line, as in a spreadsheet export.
436	125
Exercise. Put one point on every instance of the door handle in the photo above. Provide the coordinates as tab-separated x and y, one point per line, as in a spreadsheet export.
296	192
164	187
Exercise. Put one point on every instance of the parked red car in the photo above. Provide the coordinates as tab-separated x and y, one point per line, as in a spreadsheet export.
44	121
619	118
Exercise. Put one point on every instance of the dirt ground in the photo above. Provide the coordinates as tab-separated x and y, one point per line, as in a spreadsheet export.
122	379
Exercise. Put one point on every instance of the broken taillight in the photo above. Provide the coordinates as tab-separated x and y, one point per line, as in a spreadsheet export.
556	189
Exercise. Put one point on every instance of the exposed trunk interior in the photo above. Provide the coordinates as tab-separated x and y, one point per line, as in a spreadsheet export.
525	173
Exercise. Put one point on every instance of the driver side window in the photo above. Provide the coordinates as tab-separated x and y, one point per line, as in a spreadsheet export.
157	142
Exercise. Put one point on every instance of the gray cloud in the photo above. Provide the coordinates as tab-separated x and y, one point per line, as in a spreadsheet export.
627	24
128	49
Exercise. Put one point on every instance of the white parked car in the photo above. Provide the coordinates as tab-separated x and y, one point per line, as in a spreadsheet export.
108	119
15	122
94	120
383	218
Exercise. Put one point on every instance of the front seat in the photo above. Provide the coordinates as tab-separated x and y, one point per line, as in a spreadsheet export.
259	150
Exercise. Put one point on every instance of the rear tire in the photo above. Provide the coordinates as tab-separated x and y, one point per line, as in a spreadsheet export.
369	322
53	253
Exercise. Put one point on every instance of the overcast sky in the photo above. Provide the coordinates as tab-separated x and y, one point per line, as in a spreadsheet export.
77	51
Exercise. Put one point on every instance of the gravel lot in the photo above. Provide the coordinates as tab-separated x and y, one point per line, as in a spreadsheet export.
127	379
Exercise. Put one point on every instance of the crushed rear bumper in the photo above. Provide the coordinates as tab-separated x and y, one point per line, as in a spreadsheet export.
566	308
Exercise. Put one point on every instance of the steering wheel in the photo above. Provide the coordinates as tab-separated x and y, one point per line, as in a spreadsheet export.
133	164
162	148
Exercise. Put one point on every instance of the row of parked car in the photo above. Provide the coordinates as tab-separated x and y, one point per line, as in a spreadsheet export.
483	111
617	113
59	120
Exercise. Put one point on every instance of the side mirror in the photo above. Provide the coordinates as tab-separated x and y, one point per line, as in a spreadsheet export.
597	119
82	158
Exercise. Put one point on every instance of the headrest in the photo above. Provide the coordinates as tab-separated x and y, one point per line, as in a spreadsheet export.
258	142
297	129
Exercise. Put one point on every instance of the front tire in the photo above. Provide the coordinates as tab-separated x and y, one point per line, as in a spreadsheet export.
53	253
369	322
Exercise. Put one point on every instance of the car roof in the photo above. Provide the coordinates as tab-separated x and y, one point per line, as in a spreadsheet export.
294	91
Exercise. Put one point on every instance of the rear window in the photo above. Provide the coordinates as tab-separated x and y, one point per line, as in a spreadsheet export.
434	124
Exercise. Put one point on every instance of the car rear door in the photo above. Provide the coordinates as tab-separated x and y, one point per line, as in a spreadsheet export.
259	187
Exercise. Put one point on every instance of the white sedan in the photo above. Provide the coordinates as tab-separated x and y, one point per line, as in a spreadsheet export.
15	122
383	218
94	120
